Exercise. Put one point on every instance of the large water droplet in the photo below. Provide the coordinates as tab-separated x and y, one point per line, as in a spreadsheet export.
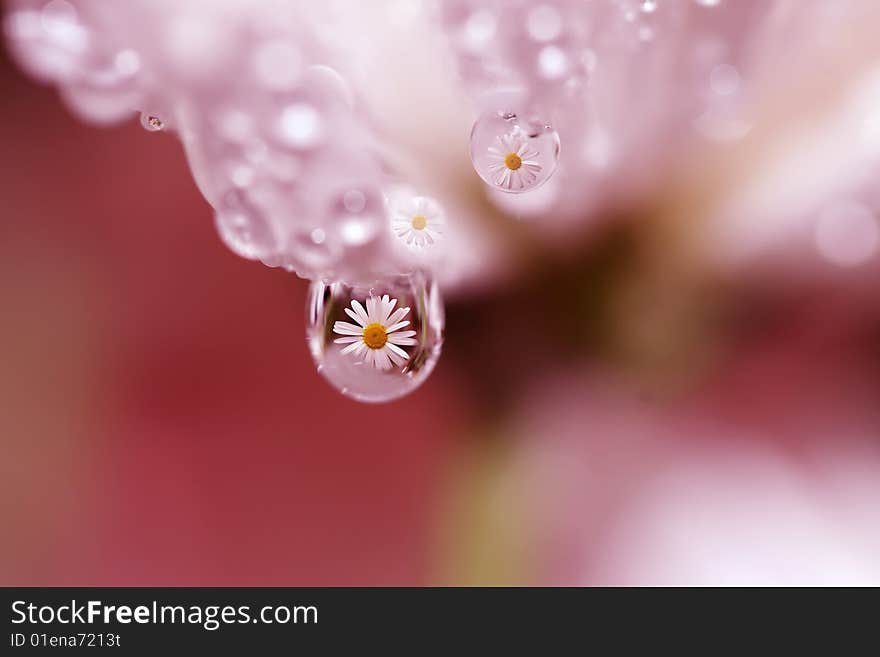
376	342
512	154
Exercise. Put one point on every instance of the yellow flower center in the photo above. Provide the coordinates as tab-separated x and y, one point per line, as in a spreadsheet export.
419	222
512	161
375	336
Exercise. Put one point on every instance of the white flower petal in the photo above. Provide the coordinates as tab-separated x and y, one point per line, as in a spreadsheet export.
387	305
397	350
381	359
372	302
347	328
349	338
359	309
395	327
397	360
397	315
352	347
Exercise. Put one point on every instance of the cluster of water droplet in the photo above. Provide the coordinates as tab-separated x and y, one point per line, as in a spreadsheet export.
575	104
261	104
595	78
258	95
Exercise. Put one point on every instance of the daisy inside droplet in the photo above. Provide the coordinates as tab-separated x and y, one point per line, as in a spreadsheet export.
417	221
513	165
376	339
511	154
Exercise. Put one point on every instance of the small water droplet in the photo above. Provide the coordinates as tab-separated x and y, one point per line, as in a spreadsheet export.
512	154
301	126
151	123
544	23
244	228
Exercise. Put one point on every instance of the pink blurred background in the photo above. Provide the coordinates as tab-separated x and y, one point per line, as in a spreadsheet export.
605	416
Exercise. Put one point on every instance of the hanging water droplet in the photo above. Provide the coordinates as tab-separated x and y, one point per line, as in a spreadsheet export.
244	228
151	123
375	342
512	154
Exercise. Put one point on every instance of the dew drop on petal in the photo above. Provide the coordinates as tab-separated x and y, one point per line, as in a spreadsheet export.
479	29
309	251
354	374
499	136
544	23
301	125
552	62
244	228
151	123
277	65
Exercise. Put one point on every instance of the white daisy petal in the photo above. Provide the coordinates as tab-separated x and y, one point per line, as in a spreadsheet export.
397	315
352	347
383	362
402	334
399	325
406	342
396	359
371	310
387	305
350	338
359	309
397	350
347	328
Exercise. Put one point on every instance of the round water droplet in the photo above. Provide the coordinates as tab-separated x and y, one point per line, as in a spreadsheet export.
244	227
544	23
309	252
417	221
512	154
376	342
354	216
151	123
301	126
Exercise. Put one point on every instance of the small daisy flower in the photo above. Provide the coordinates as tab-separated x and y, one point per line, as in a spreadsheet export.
418	222
376	339
512	164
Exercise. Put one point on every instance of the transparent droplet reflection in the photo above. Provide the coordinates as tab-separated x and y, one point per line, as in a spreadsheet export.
390	335
512	154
